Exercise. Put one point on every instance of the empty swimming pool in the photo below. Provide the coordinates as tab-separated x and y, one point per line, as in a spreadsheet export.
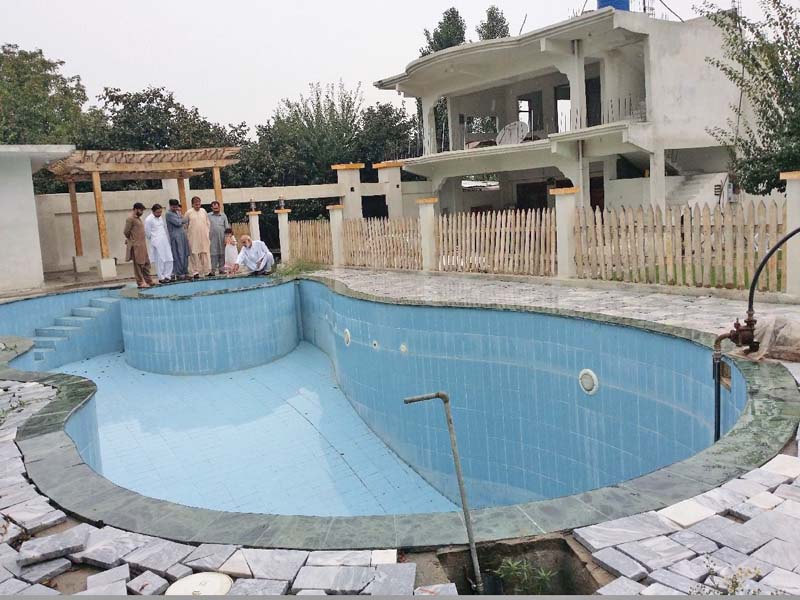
315	424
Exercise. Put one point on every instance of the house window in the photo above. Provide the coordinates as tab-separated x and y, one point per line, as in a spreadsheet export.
531	112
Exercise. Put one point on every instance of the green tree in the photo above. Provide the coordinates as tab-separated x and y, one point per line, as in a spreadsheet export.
387	133
763	59
451	31
38	104
495	26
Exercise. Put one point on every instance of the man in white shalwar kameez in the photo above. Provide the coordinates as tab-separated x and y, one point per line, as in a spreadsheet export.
155	230
254	256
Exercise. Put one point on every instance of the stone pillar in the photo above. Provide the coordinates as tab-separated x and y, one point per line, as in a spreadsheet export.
389	175
792	180
252	221
337	241
658	179
349	177
283	233
565	230
427	233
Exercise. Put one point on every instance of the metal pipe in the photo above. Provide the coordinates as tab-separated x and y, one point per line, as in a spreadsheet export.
461	487
717	374
762	264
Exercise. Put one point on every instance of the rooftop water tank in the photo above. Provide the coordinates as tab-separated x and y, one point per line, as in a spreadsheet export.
618	4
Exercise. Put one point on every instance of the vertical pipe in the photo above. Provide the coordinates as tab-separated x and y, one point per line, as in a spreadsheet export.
717	371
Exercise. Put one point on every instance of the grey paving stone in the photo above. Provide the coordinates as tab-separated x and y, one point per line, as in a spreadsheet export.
656	553
622	586
236	566
158	556
789	507
18	495
54	546
6	574
766	500
678	582
393	580
9	532
714	565
621	531
788	492
657	589
439	589
718	582
148	584
745	511
39	590
106	547
209	557
12	586
619	564
177	571
686	513
741	539
748	587
711	525
772	524
311	593
44	571
720	500
784	464
258	587
117	588
766	478
746	487
784	581
282	565
35	515
779	553
694	541
729	555
120	573
695	569
353	558
336	580
752	568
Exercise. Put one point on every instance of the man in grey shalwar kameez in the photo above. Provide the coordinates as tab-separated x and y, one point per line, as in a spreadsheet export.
178	240
219	223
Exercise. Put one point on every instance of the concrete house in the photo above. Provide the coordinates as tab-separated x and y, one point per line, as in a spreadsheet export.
616	102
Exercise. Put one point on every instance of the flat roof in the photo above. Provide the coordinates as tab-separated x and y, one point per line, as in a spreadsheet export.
39	154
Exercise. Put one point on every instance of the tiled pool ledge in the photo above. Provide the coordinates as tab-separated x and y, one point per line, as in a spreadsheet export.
54	465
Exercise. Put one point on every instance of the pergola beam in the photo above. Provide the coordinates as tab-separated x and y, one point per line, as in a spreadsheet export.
108	167
77	177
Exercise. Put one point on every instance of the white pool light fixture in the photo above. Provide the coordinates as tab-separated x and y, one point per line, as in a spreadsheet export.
589	382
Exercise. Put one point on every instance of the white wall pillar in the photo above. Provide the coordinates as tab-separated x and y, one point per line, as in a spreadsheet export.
577	86
429	144
283	234
389	174
19	228
427	232
337	240
349	178
658	179
792	222
252	222
565	230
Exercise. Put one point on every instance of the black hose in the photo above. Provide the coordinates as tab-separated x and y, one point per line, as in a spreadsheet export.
762	264
717	395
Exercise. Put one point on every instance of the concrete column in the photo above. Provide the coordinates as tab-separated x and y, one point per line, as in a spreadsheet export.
427	233
658	179
792	222
577	86
429	144
283	234
252	221
349	177
19	228
389	175
337	241
565	230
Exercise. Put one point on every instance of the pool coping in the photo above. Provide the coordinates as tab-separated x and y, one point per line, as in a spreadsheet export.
767	423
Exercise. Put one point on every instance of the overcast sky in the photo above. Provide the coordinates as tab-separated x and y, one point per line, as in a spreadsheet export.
236	59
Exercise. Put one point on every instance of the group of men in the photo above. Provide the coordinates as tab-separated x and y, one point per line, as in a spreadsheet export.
184	246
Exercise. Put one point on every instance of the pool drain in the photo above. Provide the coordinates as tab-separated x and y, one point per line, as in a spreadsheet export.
589	382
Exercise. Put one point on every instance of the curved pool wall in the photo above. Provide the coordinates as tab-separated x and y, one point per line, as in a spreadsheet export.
526	430
209	327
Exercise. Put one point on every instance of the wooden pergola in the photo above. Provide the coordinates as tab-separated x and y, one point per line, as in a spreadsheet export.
120	165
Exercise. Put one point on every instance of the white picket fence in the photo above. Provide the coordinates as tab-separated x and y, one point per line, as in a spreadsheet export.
513	241
701	246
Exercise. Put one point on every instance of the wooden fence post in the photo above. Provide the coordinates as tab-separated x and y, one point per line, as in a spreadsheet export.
427	232
792	262
283	234
337	245
565	230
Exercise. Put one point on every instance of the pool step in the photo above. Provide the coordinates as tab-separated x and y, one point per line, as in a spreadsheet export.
41	353
106	302
57	331
73	321
48	341
88	311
